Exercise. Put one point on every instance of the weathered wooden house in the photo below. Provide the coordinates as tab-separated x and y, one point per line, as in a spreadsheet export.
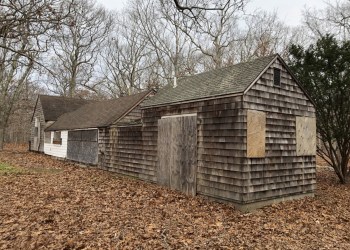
244	134
46	111
84	127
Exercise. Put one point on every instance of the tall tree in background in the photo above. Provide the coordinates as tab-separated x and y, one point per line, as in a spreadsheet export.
194	8
127	56
25	26
334	19
170	46
324	70
76	47
214	32
263	34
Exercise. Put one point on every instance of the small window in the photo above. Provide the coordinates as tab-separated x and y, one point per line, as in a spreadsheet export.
36	131
47	137
57	138
36	126
276	77
36	122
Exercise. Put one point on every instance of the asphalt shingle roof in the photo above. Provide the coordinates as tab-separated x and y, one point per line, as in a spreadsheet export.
97	114
55	106
230	80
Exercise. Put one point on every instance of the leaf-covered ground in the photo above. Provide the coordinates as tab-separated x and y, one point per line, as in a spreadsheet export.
50	204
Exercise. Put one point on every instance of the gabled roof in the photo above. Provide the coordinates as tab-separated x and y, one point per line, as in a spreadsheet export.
234	79
98	114
55	106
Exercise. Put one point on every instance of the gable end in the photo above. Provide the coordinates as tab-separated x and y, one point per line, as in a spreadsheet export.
288	70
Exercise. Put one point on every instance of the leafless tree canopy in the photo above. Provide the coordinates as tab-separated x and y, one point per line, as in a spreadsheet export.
78	48
75	47
24	30
334	19
193	9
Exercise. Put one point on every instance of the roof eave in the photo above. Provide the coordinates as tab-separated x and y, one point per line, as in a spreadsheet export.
132	108
261	73
297	81
193	100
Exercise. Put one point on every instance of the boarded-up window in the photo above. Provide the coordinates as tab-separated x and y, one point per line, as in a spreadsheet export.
305	135
83	135
74	135
47	137
256	133
82	146
57	138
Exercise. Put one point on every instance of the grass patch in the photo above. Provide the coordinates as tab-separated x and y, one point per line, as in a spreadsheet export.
8	169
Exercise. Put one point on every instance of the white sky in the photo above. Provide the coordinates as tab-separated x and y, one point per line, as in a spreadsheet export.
290	11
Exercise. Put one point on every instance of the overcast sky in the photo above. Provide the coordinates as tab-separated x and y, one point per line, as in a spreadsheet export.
290	11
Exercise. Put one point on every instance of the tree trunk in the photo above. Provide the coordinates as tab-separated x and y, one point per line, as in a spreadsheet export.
2	138
342	172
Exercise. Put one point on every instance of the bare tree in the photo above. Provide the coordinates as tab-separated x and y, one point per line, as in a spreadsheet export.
26	20
127	56
214	33
193	9
172	48
334	19
264	34
23	32
76	47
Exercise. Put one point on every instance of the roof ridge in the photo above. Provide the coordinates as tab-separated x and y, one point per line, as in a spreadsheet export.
228	80
64	97
230	66
98	114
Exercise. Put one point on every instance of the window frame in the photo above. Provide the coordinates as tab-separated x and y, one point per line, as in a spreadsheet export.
46	137
275	70
57	138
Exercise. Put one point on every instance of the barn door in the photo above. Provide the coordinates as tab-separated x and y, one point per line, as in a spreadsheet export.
177	153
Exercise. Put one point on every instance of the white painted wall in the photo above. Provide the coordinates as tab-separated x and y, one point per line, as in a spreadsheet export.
55	149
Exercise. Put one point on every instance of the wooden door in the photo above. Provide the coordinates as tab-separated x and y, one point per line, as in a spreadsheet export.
177	153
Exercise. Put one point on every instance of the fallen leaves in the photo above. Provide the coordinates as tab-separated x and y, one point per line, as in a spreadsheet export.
69	207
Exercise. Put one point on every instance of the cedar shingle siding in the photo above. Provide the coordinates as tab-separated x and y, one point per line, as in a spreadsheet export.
221	99
215	110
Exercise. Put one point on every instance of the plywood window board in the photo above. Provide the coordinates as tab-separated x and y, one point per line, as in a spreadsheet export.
305	135
256	134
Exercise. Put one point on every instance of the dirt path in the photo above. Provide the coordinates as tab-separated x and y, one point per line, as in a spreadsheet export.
49	204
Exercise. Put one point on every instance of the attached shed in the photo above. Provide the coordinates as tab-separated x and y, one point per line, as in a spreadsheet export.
46	111
244	134
86	127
